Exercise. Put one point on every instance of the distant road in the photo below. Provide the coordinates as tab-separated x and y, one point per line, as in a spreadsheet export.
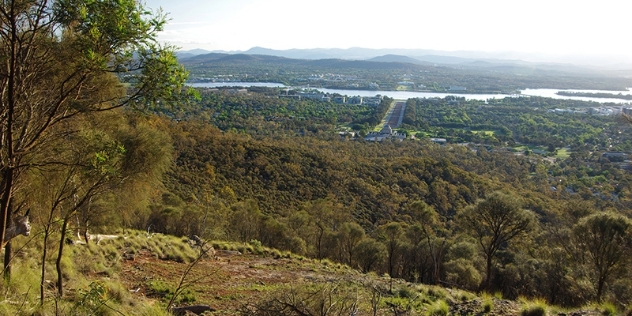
395	114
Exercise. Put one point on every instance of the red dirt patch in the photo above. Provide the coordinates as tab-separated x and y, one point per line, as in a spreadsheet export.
227	282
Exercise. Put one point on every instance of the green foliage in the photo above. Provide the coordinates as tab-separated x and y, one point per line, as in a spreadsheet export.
608	309
495	221
439	308
120	37
256	246
400	208
72	57
534	308
371	254
406	292
326	300
463	273
301	194
165	291
160	288
93	300
533	311
488	302
14	288
606	238
526	120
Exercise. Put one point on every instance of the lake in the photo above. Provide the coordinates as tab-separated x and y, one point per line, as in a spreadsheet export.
404	95
551	93
236	84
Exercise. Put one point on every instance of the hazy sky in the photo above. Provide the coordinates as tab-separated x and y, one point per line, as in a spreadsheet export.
555	27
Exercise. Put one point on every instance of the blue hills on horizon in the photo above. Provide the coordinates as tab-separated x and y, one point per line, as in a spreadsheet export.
466	59
430	57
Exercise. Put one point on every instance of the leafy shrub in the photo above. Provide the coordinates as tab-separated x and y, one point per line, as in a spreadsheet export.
462	272
487	306
439	308
488	302
246	249
308	300
537	307
405	292
160	288
257	246
166	291
534	310
92	300
437	292
608	309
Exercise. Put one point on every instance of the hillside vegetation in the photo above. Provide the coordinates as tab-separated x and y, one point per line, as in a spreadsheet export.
471	218
98	134
140	274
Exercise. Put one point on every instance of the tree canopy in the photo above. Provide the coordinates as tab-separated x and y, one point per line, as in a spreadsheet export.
65	59
605	243
494	222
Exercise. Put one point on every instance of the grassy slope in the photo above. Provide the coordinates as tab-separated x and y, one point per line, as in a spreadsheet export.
137	274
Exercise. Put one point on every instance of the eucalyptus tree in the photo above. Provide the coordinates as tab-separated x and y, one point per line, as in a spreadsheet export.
63	59
350	235
390	235
494	222
604	241
89	165
428	232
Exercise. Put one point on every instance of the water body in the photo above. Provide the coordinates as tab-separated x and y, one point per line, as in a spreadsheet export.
551	93
404	95
236	84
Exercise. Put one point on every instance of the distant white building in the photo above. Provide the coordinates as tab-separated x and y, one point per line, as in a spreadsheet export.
386	133
440	141
315	96
601	111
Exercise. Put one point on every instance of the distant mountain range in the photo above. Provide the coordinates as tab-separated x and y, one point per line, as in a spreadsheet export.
330	63
396	58
414	55
425	57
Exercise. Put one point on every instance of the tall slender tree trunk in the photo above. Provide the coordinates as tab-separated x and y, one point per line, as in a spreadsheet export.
7	191
7	247
43	271
60	278
436	256
488	273
600	283
7	260
319	243
7	133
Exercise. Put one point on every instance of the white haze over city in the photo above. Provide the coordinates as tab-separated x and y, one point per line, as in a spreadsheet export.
536	30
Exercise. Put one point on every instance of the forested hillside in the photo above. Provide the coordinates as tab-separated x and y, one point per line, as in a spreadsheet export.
412	209
526	197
